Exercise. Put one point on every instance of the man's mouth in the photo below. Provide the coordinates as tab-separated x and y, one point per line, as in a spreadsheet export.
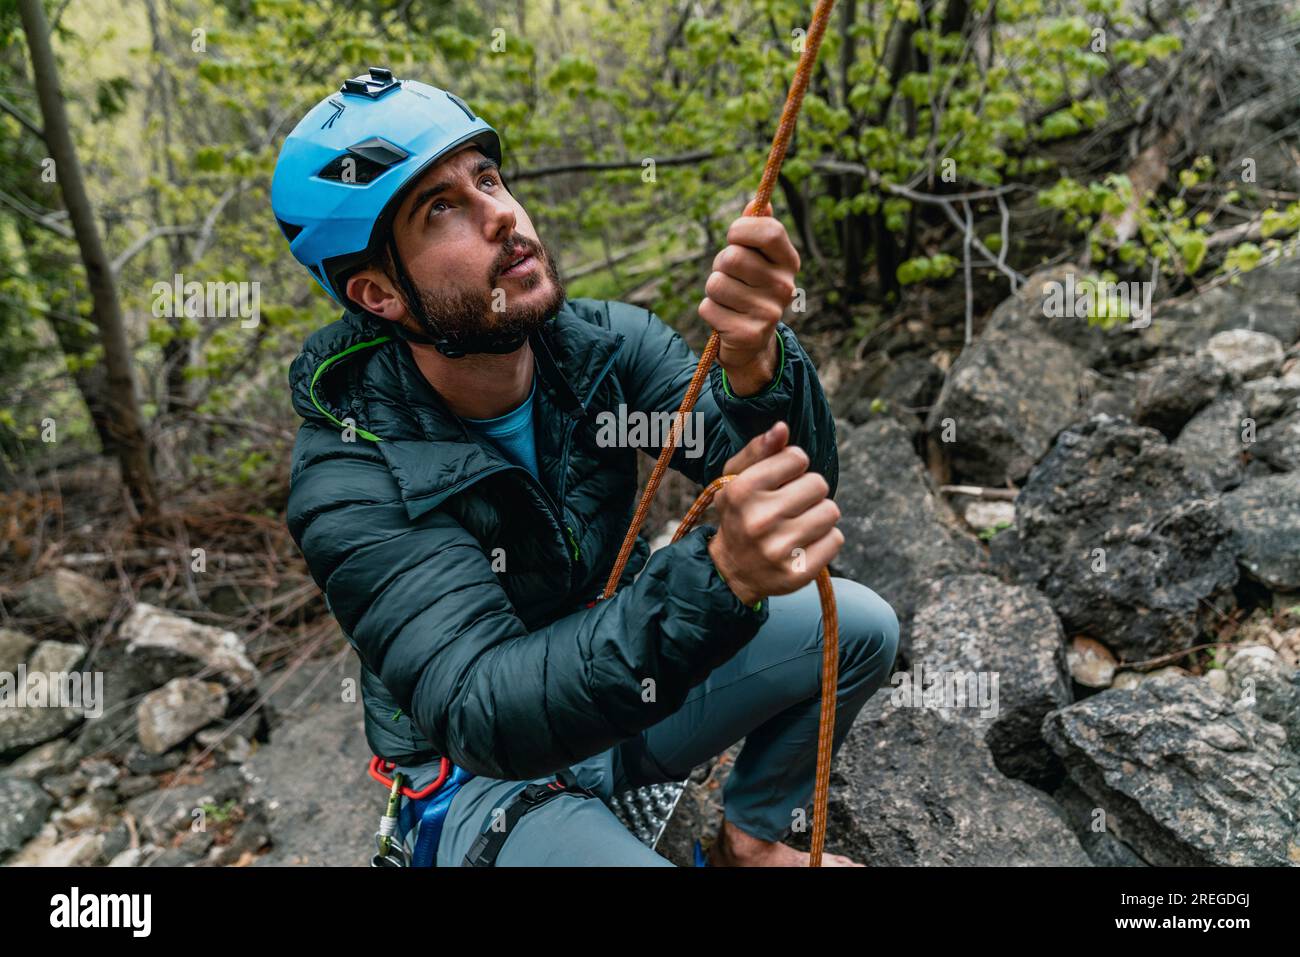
520	265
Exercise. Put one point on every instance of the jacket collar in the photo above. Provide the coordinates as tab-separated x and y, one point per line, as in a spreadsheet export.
428	450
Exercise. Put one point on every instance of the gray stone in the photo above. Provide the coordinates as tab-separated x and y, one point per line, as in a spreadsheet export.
66	597
168	646
161	814
1246	354
53	757
1273	396
14	646
172	713
1165	558
897	534
1212	444
975	625
1173	390
1279	444
1006	397
22	728
23	809
1264	515
1089	824
1185	778
910	788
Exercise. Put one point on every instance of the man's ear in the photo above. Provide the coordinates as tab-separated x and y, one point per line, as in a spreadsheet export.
374	292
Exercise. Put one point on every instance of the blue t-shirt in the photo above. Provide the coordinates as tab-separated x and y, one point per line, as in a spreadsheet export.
512	433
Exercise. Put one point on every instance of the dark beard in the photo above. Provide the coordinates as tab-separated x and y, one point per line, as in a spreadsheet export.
466	318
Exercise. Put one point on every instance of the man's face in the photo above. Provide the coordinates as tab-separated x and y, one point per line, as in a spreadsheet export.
460	234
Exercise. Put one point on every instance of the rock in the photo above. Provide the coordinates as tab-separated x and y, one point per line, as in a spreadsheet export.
985	515
1007	396
1174	389
1003	645
90	812
1273	396
53	757
161	814
167	646
23	727
1279	443
897	534
1245	354
169	715
14	646
1212	443
114	731
1089	823
906	392
230	744
1091	663
140	761
81	850
1184	779
66	597
136	785
250	837
65	787
131	857
1128	546
1259	678
1218	679
910	788
1268	312
1264	515
23	809
312	779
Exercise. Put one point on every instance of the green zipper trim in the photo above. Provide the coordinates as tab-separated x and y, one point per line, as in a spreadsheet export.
320	370
574	542
780	372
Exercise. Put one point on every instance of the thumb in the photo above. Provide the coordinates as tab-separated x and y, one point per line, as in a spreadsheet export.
758	448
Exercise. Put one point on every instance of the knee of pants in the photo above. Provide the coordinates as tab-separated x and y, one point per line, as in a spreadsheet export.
868	633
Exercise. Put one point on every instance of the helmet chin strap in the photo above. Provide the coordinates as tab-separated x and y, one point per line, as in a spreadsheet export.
449	347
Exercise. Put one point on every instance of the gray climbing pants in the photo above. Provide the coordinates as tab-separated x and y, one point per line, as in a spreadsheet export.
767	694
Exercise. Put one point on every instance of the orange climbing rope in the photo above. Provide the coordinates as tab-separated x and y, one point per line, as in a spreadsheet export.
830	624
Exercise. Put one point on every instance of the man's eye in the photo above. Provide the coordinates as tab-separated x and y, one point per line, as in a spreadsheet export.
489	178
435	204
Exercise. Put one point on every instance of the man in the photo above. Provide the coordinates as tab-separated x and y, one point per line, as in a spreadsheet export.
460	507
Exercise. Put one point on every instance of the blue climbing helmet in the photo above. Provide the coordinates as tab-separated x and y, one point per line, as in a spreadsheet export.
342	170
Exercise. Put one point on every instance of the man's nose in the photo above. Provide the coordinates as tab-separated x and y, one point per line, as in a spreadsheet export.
499	220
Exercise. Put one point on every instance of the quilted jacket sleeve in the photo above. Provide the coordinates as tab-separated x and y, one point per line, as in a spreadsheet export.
422	606
656	366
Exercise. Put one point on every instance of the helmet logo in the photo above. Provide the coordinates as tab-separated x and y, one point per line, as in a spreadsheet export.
338	111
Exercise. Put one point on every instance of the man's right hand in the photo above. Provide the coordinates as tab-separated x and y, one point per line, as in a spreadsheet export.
776	527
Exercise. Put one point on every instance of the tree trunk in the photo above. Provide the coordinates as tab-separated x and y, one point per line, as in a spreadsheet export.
127	420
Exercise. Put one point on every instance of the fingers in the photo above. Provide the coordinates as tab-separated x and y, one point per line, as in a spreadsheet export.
821	553
752	270
768	236
766	302
775	470
803	493
758	448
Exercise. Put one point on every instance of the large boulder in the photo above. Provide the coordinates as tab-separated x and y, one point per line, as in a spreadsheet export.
1126	544
1264	515
1278	445
911	788
1007	395
976	625
1183	776
897	534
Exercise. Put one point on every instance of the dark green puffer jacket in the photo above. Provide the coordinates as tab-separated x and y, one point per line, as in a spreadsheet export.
406	520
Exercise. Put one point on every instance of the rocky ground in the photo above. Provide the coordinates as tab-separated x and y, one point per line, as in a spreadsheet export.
1106	521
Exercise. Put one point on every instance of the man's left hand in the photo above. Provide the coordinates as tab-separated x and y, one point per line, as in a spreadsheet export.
746	295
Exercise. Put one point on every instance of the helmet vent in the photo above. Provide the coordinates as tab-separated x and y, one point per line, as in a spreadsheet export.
289	229
352	169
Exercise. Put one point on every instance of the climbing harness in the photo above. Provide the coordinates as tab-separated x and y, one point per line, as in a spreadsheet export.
830	624
428	806
483	852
